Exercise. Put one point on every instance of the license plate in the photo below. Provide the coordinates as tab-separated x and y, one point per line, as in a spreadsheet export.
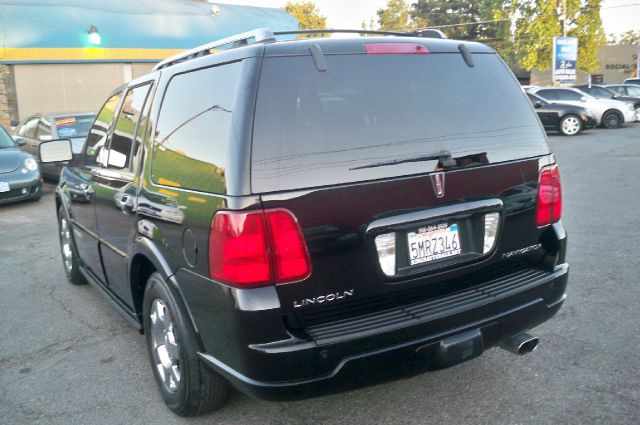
433	243
4	187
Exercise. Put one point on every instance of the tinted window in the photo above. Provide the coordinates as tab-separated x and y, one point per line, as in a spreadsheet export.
318	128
549	94
600	92
97	139
568	95
44	127
633	91
142	134
194	129
120	148
74	126
618	89
533	99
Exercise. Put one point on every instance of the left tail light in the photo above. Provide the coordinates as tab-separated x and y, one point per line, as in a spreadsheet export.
257	248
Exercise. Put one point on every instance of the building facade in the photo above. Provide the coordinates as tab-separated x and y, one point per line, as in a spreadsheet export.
616	64
68	56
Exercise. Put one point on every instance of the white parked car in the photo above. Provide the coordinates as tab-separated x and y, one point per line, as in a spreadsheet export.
609	113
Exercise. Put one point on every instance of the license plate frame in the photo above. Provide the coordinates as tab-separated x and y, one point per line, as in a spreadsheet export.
431	243
4	187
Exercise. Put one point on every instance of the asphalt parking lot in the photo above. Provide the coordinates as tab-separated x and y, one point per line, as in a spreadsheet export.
67	357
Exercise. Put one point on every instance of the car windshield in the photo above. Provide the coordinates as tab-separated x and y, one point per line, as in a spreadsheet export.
5	140
74	126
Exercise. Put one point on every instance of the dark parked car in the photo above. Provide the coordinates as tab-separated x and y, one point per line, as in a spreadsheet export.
569	120
38	128
19	172
300	217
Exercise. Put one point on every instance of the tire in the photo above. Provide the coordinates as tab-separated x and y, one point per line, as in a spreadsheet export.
570	125
612	119
68	250
187	386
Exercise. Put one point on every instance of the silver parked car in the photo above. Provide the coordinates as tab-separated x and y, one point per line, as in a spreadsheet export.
609	113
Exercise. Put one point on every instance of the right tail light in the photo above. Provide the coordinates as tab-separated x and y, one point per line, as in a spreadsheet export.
549	199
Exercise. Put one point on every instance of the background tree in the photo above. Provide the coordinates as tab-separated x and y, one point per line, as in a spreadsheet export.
449	12
629	37
308	16
541	20
395	16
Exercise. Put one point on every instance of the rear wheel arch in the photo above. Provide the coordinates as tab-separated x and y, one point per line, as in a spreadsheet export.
140	270
147	259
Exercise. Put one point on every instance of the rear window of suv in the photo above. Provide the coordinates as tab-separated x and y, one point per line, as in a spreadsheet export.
317	128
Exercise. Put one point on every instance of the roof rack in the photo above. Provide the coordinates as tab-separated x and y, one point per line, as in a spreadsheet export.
265	35
425	32
261	35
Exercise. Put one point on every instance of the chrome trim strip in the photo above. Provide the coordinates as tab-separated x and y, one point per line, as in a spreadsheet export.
488	205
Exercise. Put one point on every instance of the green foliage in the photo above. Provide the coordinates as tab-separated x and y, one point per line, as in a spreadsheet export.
629	37
454	12
308	16
395	17
541	20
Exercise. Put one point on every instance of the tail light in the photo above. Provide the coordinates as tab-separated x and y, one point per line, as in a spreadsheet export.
257	248
549	201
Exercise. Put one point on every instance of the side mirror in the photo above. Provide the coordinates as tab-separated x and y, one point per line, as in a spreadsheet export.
45	137
538	104
20	141
55	151
583	98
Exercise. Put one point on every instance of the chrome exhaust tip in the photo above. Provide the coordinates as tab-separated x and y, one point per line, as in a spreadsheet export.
520	344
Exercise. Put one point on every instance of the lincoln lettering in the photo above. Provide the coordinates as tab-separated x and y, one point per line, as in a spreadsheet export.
323	298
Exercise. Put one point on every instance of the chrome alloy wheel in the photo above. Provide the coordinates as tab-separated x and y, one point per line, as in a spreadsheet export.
570	126
166	351
65	244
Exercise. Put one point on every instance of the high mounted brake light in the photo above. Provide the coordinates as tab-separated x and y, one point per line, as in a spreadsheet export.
549	199
249	249
395	48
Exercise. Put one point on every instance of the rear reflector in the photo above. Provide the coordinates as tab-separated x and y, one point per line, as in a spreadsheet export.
395	48
257	248
549	200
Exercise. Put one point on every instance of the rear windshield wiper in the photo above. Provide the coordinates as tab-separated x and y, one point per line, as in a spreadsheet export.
445	158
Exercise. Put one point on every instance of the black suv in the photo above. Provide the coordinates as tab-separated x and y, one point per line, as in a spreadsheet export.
298	217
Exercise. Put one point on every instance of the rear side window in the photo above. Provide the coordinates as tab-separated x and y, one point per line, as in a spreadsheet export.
633	91
568	95
96	147
549	94
316	128
121	146
74	126
194	129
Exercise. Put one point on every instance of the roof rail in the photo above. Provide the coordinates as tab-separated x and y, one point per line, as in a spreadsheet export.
265	35
261	35
425	32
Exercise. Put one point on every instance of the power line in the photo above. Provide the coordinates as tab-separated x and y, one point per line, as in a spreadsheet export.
620	5
469	23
